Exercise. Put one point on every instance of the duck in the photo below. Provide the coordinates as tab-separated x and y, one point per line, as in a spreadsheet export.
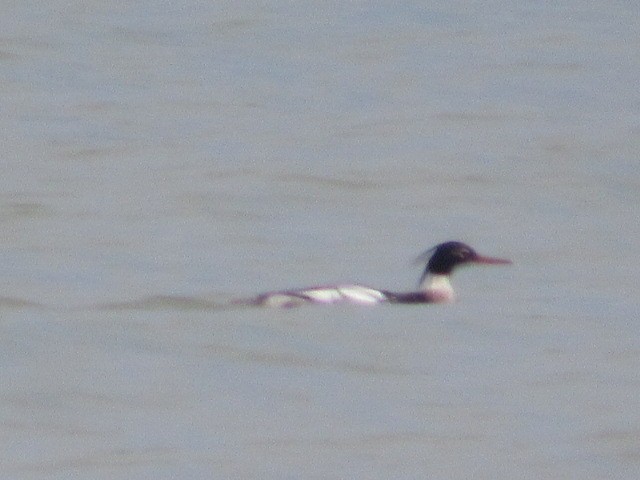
434	285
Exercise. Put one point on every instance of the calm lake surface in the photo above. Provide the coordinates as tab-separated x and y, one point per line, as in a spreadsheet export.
161	158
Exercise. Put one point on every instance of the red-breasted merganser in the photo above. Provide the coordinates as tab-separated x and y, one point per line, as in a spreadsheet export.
434	286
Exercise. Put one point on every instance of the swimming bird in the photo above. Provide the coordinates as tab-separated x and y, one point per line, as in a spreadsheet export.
434	285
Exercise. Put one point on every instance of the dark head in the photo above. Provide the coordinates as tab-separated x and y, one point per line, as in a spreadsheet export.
449	255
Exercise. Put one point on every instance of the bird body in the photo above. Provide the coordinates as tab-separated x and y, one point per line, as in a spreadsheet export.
434	286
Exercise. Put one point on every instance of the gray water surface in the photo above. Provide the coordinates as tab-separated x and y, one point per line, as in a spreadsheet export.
161	158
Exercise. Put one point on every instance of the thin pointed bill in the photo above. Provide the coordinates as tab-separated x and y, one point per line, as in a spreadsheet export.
491	260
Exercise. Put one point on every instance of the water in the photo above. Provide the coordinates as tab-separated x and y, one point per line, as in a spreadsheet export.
160	159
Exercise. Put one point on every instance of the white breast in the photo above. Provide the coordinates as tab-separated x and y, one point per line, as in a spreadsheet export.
438	287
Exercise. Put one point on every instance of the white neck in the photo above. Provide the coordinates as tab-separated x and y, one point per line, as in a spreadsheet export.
438	286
